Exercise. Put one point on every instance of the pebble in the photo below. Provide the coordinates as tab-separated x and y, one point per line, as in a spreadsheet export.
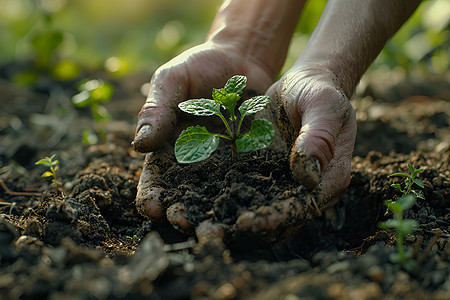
375	273
339	267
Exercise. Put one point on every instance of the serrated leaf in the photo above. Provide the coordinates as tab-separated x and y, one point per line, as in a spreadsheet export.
200	107
260	136
236	84
418	194
253	105
418	182
47	174
195	144
228	101
406	201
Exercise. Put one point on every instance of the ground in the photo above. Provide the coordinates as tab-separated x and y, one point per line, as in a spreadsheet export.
86	240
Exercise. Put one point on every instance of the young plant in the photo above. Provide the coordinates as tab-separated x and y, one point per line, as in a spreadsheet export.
402	226
91	94
196	143
53	165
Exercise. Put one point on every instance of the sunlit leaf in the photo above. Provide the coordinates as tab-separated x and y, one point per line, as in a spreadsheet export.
260	136
200	107
47	174
253	105
195	144
236	84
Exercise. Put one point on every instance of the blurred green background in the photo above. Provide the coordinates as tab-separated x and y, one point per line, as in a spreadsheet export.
65	37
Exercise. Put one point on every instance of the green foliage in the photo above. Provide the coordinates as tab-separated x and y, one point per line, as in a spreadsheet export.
402	226
196	143
53	165
92	93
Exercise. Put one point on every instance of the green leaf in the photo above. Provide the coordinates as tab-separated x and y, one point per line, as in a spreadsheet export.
47	174
200	107
228	101
414	174
253	105
195	144
418	194
236	84
82	99
395	208
260	136
43	161
407	227
418	182
5	203
103	93
406	201
411	169
399	175
389	224
397	186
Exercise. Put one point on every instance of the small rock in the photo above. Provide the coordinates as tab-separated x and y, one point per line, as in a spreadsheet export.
375	273
338	267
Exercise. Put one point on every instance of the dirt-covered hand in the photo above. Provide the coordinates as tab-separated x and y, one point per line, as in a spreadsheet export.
318	122
192	74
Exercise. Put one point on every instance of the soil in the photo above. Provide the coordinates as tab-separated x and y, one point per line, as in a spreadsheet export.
86	239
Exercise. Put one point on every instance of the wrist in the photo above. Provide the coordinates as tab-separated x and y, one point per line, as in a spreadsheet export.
260	29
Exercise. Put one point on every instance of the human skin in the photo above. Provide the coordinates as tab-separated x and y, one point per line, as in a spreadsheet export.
251	37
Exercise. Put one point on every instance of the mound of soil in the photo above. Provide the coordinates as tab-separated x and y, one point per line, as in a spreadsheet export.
87	240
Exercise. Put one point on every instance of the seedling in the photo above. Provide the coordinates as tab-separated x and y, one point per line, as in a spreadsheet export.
402	226
196	143
91	94
53	165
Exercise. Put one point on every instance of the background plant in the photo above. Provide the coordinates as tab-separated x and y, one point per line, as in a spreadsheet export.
403	226
53	165
93	93
196	143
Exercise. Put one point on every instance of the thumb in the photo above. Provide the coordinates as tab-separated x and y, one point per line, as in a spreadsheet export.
322	136
157	118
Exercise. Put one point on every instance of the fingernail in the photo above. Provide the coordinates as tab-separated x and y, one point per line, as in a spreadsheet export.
143	133
306	169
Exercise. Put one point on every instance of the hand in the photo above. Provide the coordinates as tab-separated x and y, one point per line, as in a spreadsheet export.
319	123
192	74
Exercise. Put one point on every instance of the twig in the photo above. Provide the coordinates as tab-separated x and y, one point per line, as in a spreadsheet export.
9	192
427	250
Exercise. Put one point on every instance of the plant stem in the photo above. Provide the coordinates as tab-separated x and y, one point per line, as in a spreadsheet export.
234	152
230	133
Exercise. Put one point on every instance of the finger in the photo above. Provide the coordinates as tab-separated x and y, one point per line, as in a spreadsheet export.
177	216
336	177
157	118
210	237
322	119
274	223
149	189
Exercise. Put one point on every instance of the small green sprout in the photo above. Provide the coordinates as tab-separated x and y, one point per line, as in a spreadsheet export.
53	165
196	143
91	94
402	226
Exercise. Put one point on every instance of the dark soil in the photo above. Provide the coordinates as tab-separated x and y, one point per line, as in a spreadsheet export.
86	239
